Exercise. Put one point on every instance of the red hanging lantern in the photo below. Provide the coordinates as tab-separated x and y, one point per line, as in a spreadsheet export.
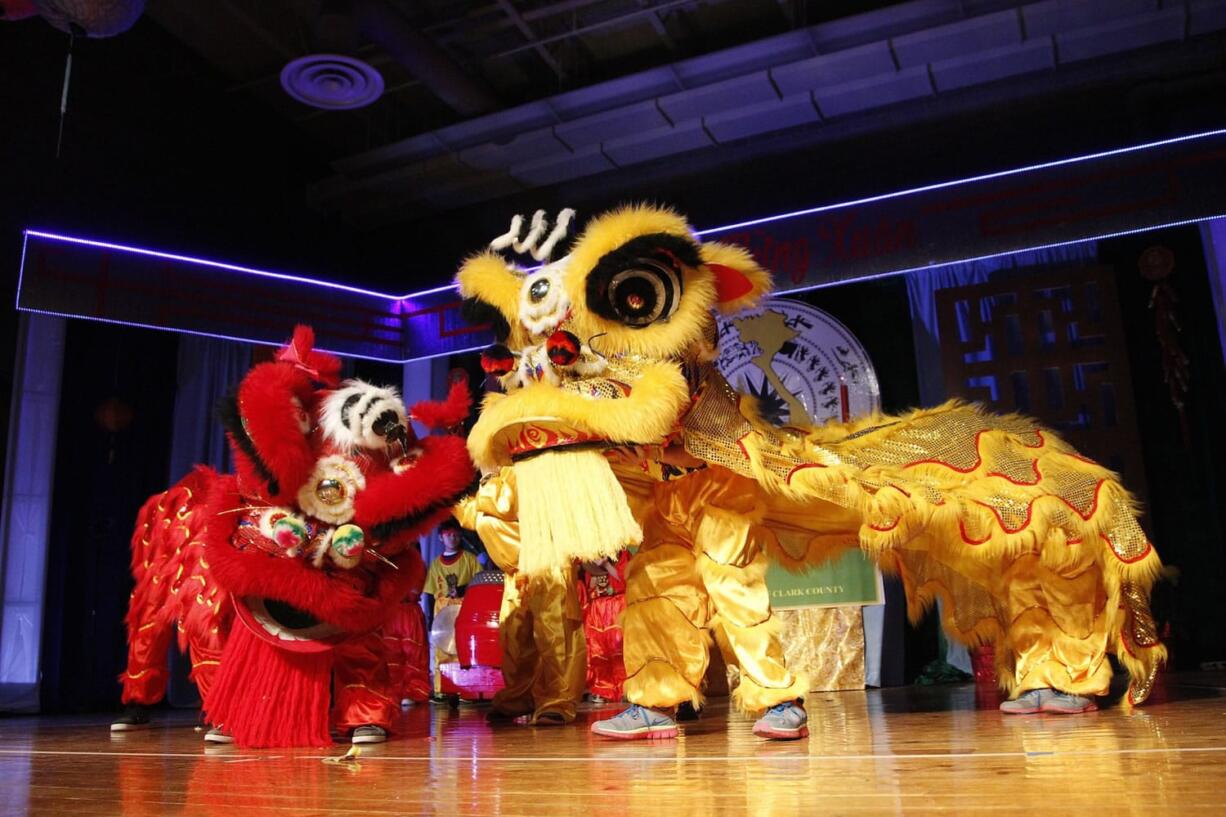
96	18
16	9
113	415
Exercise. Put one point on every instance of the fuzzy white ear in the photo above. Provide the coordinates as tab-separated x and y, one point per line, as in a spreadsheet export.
740	283
358	415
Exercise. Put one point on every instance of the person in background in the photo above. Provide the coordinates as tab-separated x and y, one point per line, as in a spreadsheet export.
408	657
446	579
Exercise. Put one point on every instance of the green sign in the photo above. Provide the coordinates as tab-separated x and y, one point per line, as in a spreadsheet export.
850	579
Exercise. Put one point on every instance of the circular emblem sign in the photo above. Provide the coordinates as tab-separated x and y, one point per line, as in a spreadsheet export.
802	365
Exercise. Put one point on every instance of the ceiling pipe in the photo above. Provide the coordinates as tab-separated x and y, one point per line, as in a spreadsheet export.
422	57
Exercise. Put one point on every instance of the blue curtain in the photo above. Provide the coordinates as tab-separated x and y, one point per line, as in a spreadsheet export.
207	370
29	479
923	285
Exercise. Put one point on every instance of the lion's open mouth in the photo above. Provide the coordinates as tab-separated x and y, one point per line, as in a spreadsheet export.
287	626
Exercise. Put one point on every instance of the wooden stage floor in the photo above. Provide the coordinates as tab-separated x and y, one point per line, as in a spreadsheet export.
914	751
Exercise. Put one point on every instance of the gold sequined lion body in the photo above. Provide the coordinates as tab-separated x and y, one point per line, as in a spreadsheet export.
614	429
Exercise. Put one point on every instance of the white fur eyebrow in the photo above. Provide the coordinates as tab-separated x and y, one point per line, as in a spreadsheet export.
540	223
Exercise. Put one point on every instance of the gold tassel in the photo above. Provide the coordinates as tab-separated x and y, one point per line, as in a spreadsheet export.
571	506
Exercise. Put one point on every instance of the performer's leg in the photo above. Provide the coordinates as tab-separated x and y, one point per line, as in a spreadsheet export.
394	652
360	682
205	651
441	657
664	641
144	679
557	630
663	628
1057	636
415	683
733	564
606	669
519	654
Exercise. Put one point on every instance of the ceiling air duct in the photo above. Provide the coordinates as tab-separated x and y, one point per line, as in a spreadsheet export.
332	79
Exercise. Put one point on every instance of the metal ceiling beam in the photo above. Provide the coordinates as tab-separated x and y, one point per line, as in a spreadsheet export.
660	29
518	21
422	58
587	29
459	28
449	30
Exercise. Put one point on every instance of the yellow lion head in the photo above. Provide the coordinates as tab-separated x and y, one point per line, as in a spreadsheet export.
604	346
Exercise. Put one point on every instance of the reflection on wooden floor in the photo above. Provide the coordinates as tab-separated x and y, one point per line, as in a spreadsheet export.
905	751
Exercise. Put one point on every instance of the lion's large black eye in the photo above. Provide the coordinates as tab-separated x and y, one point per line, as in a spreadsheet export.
646	292
640	282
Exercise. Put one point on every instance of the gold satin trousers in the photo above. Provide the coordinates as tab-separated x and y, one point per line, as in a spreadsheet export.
544	657
702	570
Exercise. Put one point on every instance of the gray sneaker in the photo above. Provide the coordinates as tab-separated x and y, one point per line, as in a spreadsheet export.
1028	703
1065	703
369	734
637	723
785	721
216	735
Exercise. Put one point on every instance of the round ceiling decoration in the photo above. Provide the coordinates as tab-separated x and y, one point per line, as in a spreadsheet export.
332	82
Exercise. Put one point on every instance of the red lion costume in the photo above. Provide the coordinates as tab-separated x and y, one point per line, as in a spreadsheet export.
309	542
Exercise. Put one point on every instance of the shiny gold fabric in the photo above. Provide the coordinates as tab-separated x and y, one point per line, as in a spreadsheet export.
955	496
702	568
1058	627
544	659
1028	544
826	644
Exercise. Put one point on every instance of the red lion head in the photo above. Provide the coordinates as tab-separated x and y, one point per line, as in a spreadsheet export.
311	535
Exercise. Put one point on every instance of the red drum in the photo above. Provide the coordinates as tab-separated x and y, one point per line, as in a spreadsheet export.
477	675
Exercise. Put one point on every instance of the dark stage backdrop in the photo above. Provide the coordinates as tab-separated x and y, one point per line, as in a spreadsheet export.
101	480
1187	480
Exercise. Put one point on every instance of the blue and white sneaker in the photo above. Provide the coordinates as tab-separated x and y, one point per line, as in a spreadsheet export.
785	721
1050	701
637	723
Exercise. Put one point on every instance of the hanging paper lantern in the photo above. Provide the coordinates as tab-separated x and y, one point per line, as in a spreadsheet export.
113	415
97	18
16	9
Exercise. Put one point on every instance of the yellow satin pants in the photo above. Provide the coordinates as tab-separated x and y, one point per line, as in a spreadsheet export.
1059	626
544	656
702	569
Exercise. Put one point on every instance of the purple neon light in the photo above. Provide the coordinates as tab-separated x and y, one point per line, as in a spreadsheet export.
21	271
955	182
708	231
824	285
213	335
941	186
89	242
970	259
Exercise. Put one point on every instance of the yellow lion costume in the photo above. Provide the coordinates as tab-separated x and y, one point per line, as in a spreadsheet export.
615	429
